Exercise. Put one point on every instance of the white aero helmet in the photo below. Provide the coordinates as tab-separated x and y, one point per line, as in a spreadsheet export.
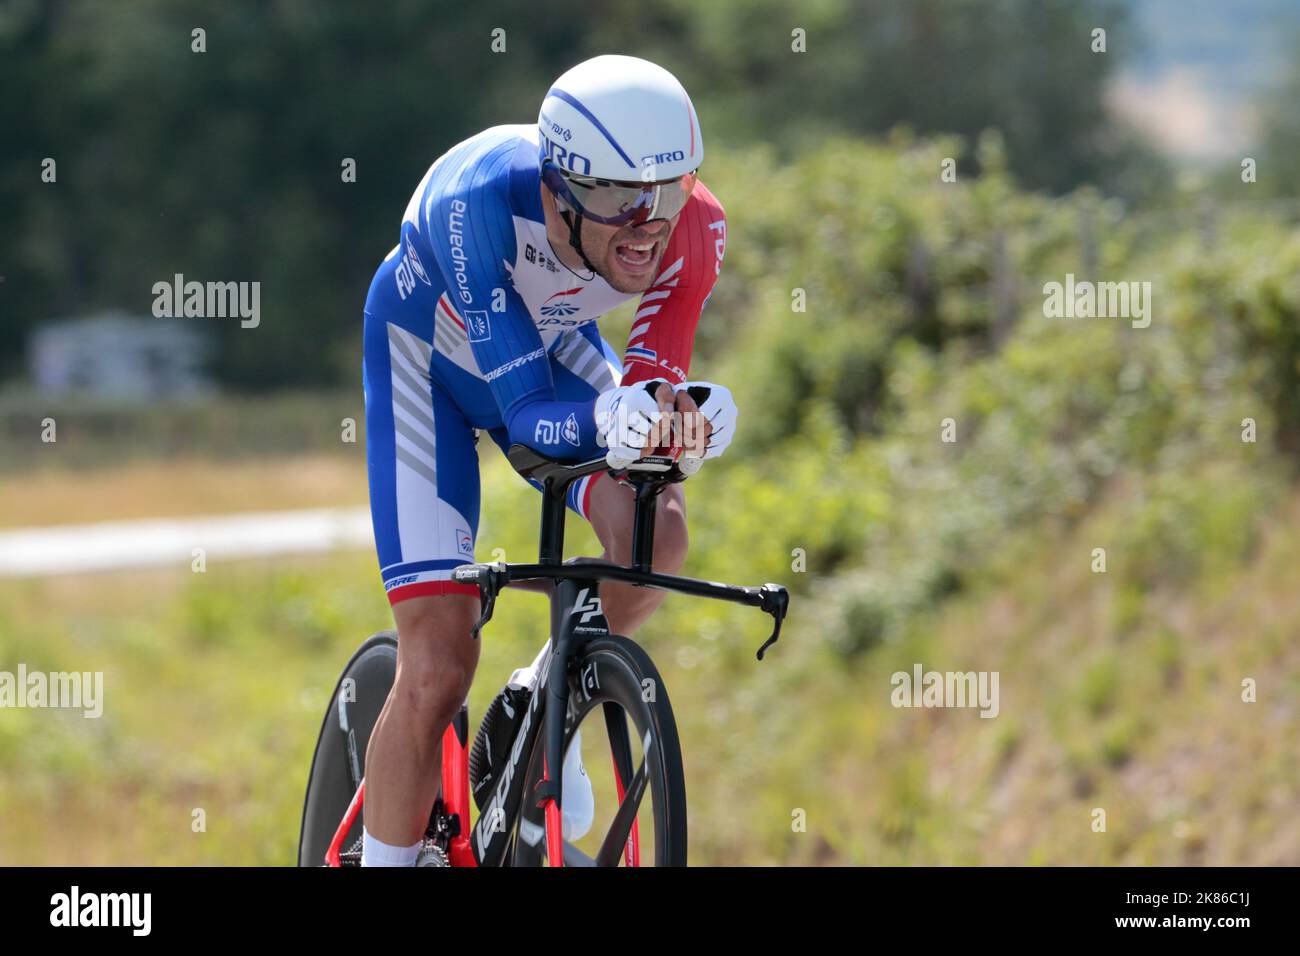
619	142
614	117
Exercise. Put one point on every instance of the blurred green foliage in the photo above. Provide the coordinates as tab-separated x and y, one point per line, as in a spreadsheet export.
226	164
1119	689
100	433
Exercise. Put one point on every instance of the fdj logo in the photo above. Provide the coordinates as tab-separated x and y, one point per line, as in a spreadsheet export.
416	265
546	432
570	430
550	433
476	325
564	158
557	128
408	270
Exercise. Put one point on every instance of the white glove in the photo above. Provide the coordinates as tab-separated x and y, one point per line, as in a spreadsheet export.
624	418
718	408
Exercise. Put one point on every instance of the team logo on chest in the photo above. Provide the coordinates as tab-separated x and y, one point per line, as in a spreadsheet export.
562	303
539	258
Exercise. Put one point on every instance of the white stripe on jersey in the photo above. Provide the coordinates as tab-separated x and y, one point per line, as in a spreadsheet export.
671	271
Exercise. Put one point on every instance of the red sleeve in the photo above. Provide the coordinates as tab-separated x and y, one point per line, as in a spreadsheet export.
663	331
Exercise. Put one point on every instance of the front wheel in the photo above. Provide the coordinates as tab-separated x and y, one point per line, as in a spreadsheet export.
633	760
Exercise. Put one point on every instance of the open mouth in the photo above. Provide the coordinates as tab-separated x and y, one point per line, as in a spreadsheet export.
636	256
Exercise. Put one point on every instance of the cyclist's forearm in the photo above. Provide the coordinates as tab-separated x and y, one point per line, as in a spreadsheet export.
561	429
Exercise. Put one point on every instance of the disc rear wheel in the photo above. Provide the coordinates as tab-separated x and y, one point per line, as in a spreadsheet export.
339	761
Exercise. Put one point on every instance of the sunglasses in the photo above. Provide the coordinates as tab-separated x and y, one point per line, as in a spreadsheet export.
617	203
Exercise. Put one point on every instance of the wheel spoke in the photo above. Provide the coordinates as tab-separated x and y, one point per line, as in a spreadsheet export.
620	746
616	838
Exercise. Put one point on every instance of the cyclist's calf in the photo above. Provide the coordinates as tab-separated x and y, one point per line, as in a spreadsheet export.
436	658
611	511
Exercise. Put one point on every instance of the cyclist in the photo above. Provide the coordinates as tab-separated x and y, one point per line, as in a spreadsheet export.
484	318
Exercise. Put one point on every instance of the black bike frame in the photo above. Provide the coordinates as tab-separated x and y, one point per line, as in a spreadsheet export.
577	617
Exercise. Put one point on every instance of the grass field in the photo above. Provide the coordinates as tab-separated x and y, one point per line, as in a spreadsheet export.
188	486
1112	697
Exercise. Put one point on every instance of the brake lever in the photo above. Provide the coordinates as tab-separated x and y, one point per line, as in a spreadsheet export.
489	603
490	578
776	601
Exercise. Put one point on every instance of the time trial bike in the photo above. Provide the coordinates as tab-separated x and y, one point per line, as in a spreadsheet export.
514	765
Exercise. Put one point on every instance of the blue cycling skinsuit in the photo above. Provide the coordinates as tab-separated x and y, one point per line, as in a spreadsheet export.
473	323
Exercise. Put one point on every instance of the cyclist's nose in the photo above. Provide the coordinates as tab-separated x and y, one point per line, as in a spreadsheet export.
649	231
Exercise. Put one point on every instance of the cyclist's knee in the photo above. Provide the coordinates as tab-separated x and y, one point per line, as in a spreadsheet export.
436	655
434	685
612	518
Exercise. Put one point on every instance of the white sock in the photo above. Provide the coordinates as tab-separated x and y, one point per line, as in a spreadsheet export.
378	853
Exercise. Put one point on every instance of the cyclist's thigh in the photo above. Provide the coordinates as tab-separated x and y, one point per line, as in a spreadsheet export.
423	465
611	506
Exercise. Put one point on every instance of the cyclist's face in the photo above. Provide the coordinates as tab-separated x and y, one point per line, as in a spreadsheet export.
627	257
